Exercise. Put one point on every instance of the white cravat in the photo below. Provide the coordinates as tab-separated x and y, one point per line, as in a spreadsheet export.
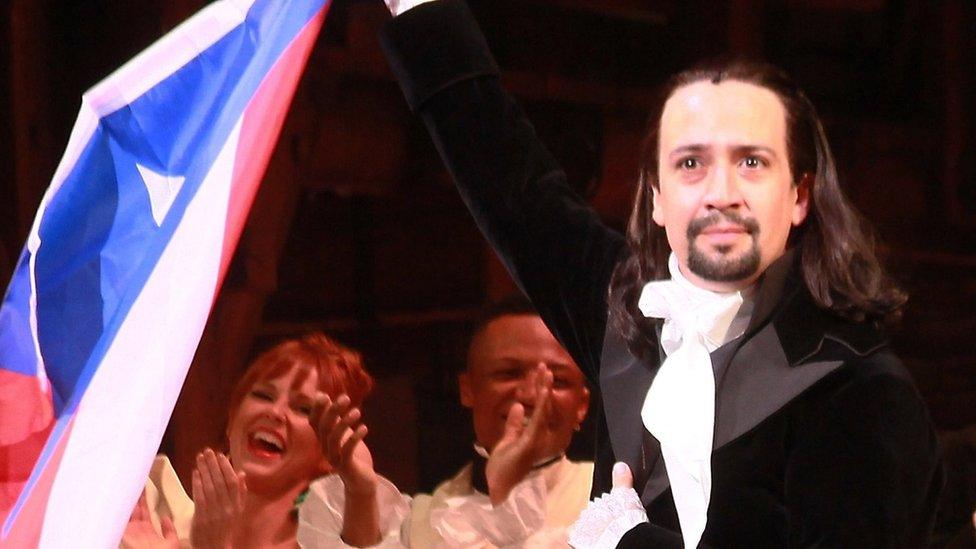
680	406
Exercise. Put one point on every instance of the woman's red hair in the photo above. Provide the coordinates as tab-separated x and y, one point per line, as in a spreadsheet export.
339	368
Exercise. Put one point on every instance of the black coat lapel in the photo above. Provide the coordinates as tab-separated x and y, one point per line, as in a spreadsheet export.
780	354
624	382
758	382
762	379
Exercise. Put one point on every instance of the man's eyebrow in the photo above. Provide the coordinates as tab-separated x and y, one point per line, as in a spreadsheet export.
753	148
699	148
560	366
504	361
685	149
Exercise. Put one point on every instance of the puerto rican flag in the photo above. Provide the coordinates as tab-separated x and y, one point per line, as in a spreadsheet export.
122	265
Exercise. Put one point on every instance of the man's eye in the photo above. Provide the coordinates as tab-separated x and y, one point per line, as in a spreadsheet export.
261	395
507	375
304	409
753	162
690	163
561	383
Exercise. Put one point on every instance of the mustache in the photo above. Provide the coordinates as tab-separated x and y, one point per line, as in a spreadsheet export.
698	226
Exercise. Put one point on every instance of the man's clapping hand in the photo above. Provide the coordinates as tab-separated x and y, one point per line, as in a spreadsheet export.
523	443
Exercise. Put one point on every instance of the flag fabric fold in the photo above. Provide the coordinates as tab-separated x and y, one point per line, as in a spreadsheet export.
124	260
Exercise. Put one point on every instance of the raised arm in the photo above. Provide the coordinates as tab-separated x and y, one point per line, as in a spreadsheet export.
555	246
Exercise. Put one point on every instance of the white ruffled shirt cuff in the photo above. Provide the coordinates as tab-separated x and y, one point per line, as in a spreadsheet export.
320	516
606	519
468	520
399	6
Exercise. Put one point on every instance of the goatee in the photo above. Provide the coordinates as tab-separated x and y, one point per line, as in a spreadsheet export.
723	269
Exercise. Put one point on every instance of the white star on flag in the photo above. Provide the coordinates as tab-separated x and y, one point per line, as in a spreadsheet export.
162	191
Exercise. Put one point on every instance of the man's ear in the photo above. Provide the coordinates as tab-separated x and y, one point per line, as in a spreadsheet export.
657	212
464	387
584	406
802	204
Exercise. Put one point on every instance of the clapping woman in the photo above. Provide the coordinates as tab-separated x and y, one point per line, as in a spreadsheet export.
247	497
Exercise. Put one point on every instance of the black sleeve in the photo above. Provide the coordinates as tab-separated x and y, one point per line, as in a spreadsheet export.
554	245
652	535
865	471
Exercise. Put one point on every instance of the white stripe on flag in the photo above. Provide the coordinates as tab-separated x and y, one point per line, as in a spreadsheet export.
121	418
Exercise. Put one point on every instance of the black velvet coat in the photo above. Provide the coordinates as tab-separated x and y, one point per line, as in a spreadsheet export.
821	439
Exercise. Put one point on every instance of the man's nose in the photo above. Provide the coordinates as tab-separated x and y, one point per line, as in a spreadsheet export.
528	390
722	189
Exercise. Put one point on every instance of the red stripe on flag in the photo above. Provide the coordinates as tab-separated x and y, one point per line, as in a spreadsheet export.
28	416
261	126
26	530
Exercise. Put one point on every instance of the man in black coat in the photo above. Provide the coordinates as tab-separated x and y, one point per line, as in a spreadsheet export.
735	331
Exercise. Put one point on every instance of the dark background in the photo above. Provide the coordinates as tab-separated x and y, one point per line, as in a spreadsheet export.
357	230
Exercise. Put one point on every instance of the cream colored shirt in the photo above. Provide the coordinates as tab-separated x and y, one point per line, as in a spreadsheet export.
166	497
537	512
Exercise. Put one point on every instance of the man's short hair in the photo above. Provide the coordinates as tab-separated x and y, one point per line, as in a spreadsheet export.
514	304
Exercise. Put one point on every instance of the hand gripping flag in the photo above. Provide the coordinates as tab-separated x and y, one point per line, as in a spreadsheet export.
123	262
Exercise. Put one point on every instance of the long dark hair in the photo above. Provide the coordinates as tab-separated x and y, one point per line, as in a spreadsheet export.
835	245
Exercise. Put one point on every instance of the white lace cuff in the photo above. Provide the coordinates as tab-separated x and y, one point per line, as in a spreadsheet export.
320	515
606	519
399	6
466	520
